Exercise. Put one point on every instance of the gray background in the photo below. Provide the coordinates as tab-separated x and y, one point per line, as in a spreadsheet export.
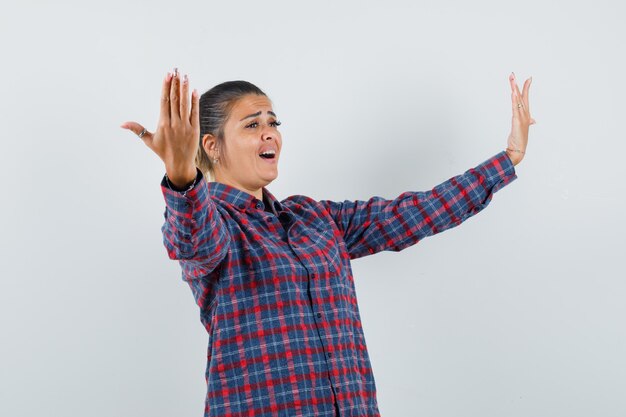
517	312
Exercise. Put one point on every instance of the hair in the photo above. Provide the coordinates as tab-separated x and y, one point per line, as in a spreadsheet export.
215	107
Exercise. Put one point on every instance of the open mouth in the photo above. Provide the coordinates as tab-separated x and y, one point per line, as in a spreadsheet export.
271	154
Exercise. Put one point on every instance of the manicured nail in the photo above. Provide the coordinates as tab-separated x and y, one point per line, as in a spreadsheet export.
185	79
176	71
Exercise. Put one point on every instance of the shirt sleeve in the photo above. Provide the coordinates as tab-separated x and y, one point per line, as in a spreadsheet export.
194	231
378	224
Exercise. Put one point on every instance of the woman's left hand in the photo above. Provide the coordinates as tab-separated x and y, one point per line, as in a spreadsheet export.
518	138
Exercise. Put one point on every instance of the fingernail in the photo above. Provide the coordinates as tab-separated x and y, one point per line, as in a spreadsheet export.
513	75
176	71
531	80
185	79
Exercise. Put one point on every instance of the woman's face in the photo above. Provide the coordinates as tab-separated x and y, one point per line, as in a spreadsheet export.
250	130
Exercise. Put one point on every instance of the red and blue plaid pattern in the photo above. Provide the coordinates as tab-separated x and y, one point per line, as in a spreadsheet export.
276	292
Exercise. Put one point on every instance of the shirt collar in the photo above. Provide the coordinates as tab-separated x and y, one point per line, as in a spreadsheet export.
241	200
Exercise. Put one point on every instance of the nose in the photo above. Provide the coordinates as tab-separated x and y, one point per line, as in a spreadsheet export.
267	135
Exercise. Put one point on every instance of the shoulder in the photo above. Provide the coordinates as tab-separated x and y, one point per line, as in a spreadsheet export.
301	204
298	199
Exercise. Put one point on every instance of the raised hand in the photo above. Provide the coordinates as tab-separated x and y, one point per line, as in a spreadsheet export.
176	138
518	138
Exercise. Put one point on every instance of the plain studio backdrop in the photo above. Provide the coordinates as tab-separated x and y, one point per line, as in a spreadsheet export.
519	311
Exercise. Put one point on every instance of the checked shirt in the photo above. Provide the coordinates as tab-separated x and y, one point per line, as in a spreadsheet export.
274	285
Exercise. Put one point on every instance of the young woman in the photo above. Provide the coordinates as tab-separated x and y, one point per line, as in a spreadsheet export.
272	277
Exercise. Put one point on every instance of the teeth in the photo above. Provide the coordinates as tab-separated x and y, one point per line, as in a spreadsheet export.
270	152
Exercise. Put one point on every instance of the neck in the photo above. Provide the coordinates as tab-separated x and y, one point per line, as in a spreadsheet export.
257	192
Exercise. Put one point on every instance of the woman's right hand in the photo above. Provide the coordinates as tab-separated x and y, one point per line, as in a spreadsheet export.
176	138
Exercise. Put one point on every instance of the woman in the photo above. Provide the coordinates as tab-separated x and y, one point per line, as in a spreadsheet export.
273	278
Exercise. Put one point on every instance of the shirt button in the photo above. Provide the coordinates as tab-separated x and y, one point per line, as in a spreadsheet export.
312	275
319	315
330	354
258	206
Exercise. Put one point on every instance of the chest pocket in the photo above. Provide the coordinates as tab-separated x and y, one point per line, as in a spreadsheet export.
327	247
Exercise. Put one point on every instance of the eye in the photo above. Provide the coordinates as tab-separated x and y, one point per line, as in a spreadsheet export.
275	123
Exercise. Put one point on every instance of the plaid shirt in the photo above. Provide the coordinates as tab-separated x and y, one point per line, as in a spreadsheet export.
275	288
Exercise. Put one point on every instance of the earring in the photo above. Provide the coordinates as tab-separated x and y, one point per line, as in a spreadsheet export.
215	161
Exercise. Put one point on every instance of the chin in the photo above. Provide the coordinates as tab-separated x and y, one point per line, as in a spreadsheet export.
267	181
269	178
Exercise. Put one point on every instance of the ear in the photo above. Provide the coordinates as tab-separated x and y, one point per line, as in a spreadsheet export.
209	143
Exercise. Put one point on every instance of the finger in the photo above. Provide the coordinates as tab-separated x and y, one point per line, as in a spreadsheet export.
514	104
516	89
165	99
513	95
513	92
516	96
175	96
184	99
512	81
195	105
136	128
525	92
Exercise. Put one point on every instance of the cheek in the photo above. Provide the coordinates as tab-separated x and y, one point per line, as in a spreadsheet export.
243	149
248	153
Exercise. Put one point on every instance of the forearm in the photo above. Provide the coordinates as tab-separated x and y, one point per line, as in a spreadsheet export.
379	224
194	229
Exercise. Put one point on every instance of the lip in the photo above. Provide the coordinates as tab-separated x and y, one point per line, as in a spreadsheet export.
269	148
273	160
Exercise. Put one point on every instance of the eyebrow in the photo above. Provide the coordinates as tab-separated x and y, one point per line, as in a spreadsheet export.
258	114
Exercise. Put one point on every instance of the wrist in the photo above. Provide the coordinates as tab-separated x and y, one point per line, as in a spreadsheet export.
181	179
515	155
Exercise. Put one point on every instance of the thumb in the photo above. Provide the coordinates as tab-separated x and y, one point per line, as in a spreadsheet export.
135	127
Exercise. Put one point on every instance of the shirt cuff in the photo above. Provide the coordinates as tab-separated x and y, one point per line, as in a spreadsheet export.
183	205
498	171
